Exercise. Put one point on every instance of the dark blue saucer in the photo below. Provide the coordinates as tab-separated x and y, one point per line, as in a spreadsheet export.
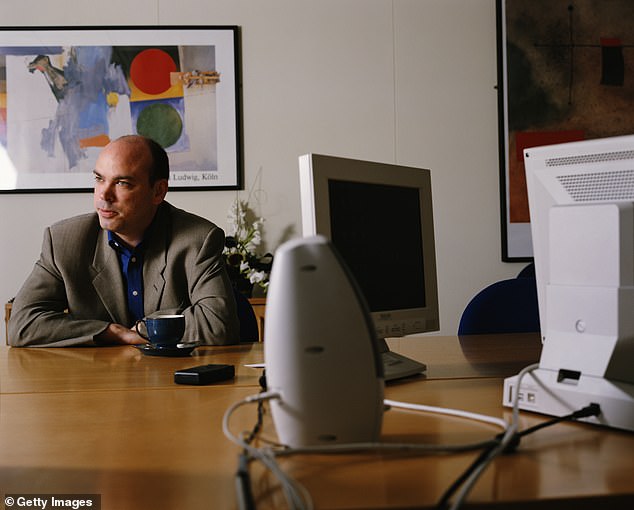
176	351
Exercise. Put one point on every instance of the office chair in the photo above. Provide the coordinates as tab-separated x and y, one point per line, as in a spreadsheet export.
507	306
246	317
528	271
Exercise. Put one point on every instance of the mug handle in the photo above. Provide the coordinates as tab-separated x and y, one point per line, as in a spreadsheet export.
136	327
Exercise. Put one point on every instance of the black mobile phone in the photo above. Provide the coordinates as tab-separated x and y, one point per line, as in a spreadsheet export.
204	374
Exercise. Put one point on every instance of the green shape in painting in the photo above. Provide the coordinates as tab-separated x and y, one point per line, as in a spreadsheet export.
160	122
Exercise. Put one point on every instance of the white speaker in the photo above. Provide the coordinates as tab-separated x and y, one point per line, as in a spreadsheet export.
320	349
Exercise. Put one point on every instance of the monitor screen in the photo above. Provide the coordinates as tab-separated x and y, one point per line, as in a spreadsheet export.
379	217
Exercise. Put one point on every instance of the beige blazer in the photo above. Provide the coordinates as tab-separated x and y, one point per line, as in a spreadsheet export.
76	287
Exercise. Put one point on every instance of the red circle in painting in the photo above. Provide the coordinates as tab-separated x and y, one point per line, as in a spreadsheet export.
150	71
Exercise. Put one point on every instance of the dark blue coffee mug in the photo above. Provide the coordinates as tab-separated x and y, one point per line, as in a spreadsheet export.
162	330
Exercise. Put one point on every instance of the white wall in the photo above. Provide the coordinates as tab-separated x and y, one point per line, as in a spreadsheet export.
404	81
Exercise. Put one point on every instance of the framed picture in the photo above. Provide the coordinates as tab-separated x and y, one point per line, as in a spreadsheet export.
565	73
67	92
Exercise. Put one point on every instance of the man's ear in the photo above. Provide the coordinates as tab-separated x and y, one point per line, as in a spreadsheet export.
160	190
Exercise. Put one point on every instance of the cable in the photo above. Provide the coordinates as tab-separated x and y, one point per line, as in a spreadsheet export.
506	443
467	480
442	503
450	412
590	410
585	412
297	496
356	447
258	424
243	484
383	447
267	395
295	493
366	446
243	478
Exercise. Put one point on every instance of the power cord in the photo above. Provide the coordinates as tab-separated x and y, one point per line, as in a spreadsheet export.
243	483
505	443
243	478
443	503
296	495
585	412
591	410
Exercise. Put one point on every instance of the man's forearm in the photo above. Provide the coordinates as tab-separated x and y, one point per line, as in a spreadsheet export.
116	334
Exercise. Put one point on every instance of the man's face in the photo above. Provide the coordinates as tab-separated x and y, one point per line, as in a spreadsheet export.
124	198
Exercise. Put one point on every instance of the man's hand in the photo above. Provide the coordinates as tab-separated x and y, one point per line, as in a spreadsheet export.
116	334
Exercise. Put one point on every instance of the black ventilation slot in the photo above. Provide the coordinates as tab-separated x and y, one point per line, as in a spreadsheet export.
568	376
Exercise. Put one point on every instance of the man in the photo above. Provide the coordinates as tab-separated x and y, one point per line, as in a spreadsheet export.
99	273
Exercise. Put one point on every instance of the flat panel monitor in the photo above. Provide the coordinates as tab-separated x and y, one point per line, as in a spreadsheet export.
379	216
573	183
581	200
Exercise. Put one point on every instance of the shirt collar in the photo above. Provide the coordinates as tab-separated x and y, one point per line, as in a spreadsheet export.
117	244
120	246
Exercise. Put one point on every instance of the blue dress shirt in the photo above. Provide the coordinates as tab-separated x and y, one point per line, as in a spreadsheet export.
131	262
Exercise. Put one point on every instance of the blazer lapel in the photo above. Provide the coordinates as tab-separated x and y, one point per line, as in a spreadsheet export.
108	281
154	262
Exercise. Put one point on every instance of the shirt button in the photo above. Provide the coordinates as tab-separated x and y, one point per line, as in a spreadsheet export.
135	293
133	259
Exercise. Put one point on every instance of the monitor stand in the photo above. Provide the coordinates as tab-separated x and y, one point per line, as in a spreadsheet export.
558	393
397	366
585	309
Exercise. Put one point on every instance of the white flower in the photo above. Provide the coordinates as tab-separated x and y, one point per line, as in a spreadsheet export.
246	232
257	277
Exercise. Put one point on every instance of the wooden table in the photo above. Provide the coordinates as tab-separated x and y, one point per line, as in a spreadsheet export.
78	369
26	370
111	421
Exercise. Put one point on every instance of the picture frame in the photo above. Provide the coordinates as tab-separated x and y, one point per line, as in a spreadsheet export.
66	92
565	73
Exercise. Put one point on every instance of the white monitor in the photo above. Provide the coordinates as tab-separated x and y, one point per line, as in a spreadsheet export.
581	200
575	183
379	217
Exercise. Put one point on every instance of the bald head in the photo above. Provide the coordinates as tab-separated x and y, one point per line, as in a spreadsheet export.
142	147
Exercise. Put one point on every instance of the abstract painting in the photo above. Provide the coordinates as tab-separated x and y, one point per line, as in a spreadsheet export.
65	94
565	73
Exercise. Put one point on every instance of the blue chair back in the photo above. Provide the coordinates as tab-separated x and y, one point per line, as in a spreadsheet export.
507	306
528	271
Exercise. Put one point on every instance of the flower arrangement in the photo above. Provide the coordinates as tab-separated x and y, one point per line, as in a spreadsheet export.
245	266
